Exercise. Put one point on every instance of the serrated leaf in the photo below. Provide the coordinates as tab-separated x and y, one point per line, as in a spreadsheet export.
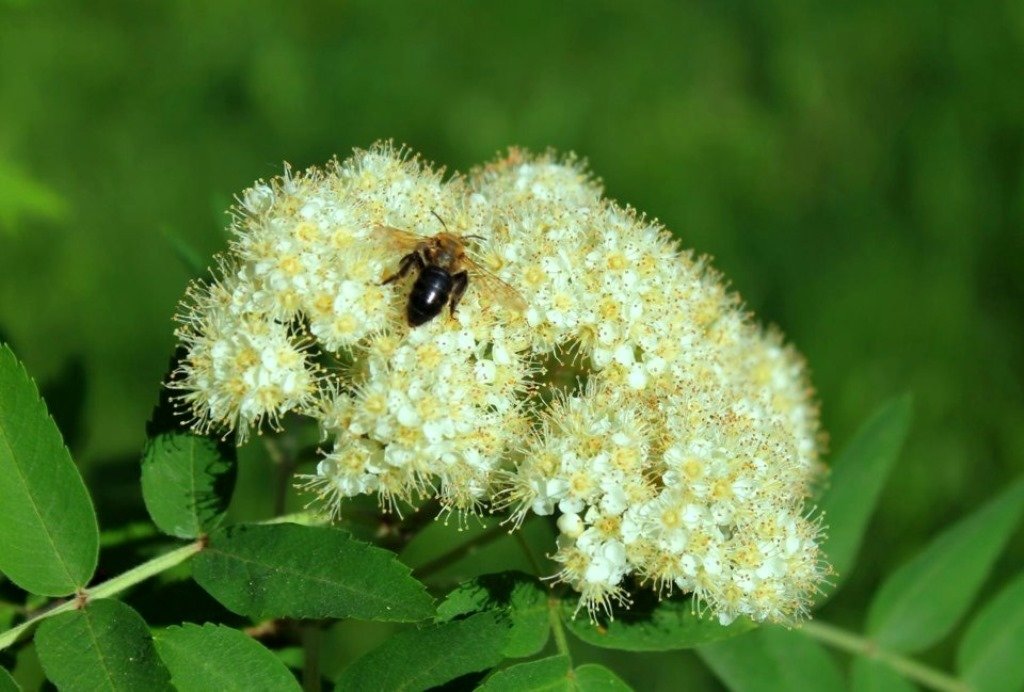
419	659
546	675
922	600
651	625
105	646
856	482
772	658
215	657
989	657
187	482
49	538
596	678
7	683
287	570
516	595
869	675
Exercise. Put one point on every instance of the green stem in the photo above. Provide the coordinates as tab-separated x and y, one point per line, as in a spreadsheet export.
108	588
459	552
862	646
311	637
554	604
284	465
159	564
16	607
136	531
530	557
135	575
554	617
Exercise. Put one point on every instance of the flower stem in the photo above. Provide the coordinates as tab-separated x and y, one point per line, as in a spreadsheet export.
530	557
281	454
108	588
561	641
312	636
554	604
459	552
862	646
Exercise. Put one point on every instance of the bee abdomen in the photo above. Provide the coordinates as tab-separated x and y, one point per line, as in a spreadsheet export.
430	293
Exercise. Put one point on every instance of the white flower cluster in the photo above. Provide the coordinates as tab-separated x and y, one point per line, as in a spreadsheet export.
632	397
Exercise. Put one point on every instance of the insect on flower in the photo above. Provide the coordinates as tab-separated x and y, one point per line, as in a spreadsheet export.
444	268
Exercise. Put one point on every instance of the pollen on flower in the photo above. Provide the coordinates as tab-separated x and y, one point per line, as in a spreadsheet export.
593	373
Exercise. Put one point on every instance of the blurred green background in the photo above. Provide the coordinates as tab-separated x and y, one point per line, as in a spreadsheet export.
856	169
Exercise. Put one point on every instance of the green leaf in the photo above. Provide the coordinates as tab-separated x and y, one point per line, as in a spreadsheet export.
187	255
187	481
773	658
49	539
652	626
546	675
287	570
293	657
517	596
8	613
922	600
596	678
419	659
215	657
23	197
554	675
7	683
133	532
990	652
105	646
856	482
868	675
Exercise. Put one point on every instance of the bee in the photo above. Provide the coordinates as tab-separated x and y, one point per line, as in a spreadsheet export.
444	268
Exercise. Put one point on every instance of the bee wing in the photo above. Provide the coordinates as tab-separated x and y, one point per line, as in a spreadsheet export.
496	288
398	239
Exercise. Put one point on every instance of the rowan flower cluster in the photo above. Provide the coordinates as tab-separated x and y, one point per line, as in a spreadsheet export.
633	399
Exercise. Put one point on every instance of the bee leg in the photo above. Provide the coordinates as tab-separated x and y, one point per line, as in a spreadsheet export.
413	258
459	283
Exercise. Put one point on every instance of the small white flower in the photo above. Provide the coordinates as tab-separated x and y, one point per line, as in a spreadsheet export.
571	525
675	439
